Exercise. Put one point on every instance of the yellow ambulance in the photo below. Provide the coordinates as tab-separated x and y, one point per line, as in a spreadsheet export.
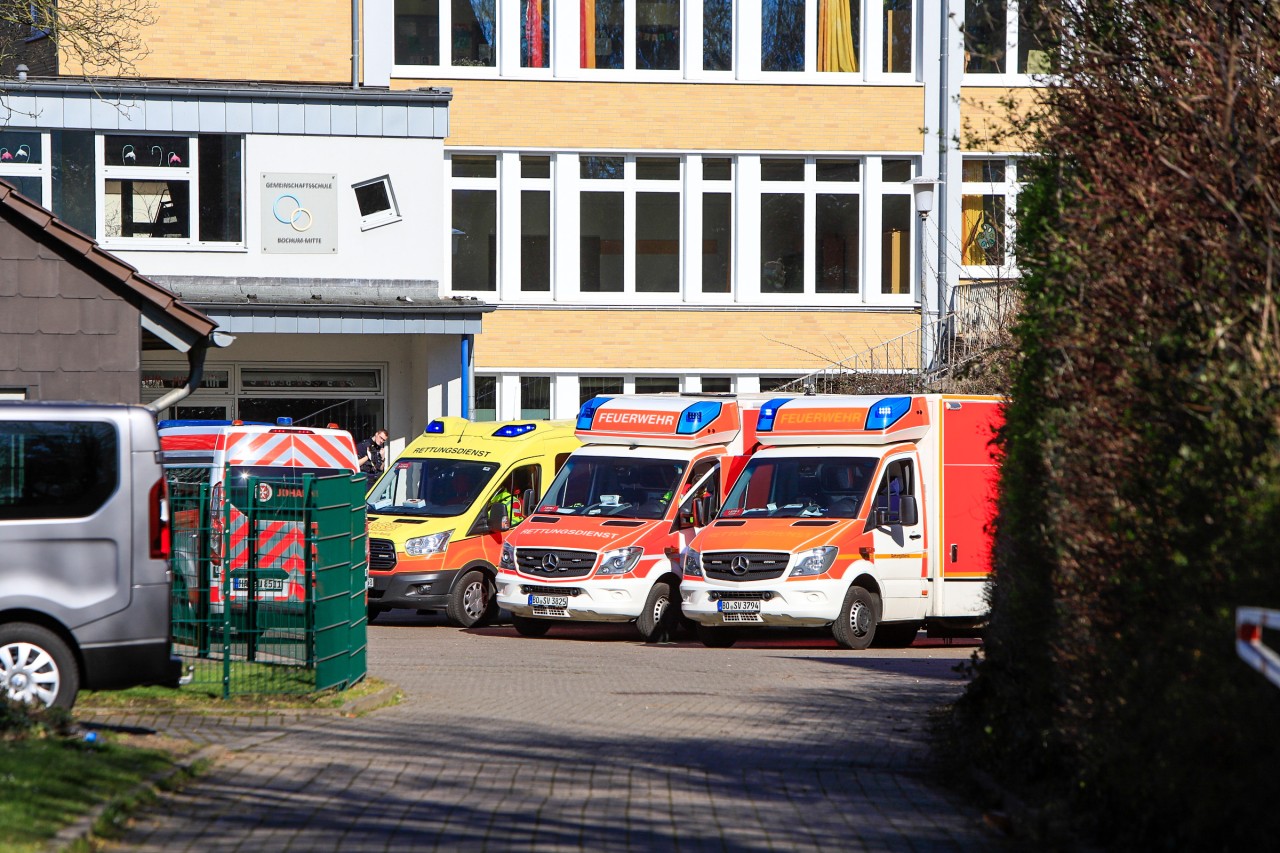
440	512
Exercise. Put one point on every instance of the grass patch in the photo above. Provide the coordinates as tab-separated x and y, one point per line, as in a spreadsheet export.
203	697
48	783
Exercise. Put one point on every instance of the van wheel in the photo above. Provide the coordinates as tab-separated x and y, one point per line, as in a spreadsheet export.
36	666
470	600
658	619
527	627
896	635
856	626
716	638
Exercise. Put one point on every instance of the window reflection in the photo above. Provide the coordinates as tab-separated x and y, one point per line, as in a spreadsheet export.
602	33
658	35
781	243
837	243
602	242
717	242
475	215
535	34
897	36
472	33
782	34
985	25
417	32
717	35
657	242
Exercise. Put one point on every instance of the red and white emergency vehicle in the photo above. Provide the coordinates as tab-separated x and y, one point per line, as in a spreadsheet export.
225	455
606	540
866	513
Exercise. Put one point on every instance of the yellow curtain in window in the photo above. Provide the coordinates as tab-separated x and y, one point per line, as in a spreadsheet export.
588	34
972	221
836	51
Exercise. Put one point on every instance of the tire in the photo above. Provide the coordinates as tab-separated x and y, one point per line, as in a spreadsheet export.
716	638
471	601
896	635
657	621
856	627
527	627
36	666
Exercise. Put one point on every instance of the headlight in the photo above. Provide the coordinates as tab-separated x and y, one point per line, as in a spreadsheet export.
424	545
619	562
692	563
508	560
815	562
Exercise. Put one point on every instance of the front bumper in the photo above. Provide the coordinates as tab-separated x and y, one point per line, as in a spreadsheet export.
589	600
411	590
794	604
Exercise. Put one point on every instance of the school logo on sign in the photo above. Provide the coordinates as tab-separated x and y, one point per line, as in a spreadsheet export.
299	214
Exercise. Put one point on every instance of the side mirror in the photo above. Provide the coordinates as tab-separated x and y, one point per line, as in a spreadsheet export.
499	521
910	512
528	502
699	514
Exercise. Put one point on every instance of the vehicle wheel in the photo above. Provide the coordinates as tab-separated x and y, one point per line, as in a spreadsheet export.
716	638
36	666
470	600
859	614
896	635
527	627
657	620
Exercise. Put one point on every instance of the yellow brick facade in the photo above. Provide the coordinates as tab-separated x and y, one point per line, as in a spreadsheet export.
683	117
262	40
693	340
987	114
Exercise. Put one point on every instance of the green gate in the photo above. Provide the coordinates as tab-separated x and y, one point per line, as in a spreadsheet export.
269	581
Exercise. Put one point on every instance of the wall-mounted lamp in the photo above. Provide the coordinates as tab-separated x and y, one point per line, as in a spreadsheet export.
923	189
22	73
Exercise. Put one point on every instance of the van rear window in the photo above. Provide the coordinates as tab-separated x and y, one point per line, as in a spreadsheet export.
56	469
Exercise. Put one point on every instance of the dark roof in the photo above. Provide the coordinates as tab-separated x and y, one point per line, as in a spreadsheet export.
161	306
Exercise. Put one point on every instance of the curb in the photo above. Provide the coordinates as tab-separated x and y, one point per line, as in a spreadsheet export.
373	701
82	829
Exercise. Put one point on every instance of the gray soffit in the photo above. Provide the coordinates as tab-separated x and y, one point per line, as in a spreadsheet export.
249	305
147	106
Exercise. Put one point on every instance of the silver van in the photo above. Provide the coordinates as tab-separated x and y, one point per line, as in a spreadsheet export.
84	551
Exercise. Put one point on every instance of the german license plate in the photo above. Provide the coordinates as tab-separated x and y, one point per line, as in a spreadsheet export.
560	601
738	606
368	582
264	584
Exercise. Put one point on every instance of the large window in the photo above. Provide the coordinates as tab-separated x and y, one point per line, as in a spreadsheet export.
994	30
630	224
56	470
809	226
642	35
469	33
784	27
475	222
986	202
164	188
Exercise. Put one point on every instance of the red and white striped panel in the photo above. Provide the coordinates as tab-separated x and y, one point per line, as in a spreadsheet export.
292	450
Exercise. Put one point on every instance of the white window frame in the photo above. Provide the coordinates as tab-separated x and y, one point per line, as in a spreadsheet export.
501	205
381	217
506	36
1008	189
809	188
189	172
1011	76
42	170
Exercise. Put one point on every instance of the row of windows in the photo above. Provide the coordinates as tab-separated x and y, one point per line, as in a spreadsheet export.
510	397
705	36
144	187
703	227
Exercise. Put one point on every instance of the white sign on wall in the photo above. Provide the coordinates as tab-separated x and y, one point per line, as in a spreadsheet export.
299	213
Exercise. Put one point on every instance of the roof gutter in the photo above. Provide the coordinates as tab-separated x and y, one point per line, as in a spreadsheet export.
195	363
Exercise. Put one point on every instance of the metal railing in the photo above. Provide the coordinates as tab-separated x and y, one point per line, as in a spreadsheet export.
1250	622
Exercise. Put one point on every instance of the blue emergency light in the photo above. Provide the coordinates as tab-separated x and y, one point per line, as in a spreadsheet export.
284	421
513	430
434	428
768	412
588	411
885	413
696	416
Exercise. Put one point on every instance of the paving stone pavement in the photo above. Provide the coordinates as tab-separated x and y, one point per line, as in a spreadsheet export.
586	739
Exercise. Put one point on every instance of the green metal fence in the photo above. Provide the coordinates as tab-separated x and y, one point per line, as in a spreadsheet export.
269	581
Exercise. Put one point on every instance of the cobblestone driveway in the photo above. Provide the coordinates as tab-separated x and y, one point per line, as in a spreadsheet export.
588	740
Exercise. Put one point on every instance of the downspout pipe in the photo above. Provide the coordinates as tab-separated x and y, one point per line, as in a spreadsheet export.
466	376
195	361
355	44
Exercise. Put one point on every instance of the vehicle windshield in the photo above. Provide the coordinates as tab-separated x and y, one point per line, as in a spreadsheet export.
430	486
614	486
788	486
